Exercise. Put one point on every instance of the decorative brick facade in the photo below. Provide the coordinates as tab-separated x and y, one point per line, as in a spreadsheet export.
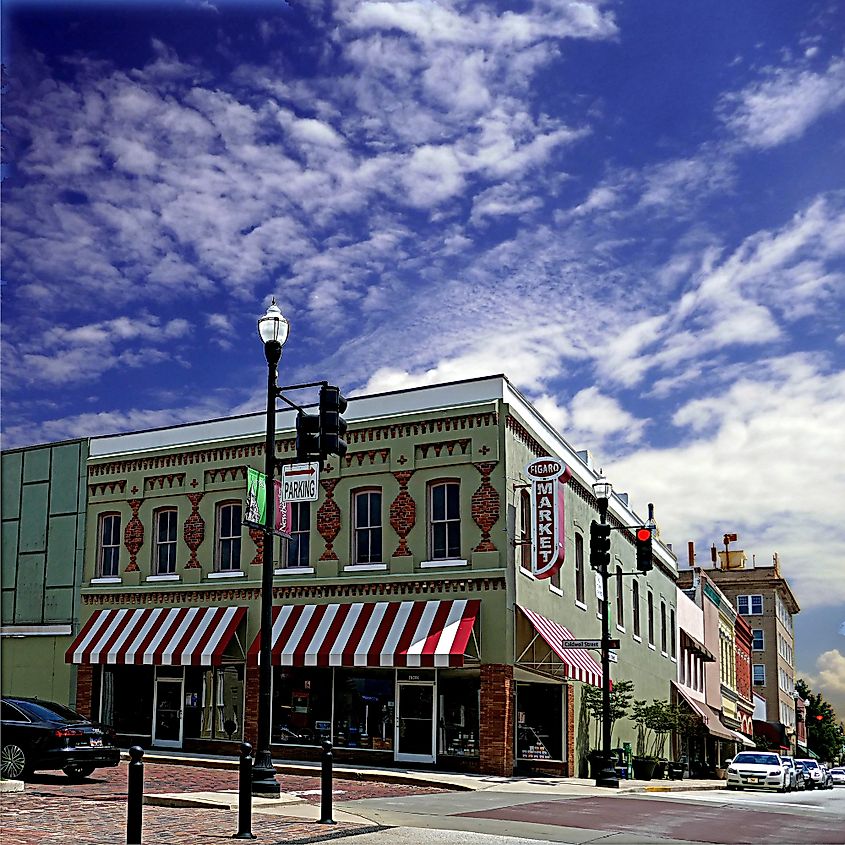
496	719
194	530
84	689
403	513
251	706
485	507
257	536
328	519
133	535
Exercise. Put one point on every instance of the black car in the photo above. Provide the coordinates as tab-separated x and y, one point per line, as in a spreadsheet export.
44	735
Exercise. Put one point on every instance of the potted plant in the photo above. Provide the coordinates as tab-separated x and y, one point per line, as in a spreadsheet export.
620	700
654	723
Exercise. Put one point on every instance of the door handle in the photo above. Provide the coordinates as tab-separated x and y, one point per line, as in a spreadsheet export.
179	713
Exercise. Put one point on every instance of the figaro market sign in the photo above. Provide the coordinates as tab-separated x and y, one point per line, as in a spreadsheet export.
548	537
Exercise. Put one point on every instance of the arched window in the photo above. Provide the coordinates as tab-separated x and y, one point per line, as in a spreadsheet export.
635	607
228	545
165	541
366	531
108	553
620	604
525	529
444	509
650	617
579	568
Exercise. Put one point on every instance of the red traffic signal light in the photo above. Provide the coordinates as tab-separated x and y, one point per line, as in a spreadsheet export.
643	544
643	534
819	717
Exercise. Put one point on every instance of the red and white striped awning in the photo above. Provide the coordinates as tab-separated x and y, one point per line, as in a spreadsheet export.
408	633
579	663
176	636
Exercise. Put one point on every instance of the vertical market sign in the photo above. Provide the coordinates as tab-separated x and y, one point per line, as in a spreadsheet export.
548	527
256	504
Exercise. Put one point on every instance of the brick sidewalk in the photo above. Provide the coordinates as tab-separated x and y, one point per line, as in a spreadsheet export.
53	811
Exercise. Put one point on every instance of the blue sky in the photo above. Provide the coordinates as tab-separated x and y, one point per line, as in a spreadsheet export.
634	210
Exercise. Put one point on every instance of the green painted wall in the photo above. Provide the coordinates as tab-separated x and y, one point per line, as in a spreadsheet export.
43	539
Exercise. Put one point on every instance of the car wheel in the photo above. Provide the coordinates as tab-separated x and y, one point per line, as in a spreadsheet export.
730	787
13	762
77	772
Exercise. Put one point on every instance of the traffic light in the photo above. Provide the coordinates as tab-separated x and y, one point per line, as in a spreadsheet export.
332	424
644	563
599	545
307	437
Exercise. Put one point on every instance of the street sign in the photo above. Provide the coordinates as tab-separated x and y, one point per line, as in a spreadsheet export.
580	643
300	482
599	587
613	657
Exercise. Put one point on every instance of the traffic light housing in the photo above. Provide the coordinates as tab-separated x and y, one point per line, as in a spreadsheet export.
599	545
643	537
307	437
332	424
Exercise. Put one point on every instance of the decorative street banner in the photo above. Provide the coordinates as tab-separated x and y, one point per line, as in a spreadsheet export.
548	527
256	504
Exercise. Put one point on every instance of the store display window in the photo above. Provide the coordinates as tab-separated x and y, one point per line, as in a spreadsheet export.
214	702
302	705
364	709
126	699
459	700
539	722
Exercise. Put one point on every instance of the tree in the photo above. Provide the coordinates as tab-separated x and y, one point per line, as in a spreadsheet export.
825	734
620	700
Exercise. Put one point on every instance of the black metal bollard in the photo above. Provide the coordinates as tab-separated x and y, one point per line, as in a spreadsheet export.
135	796
326	786
245	794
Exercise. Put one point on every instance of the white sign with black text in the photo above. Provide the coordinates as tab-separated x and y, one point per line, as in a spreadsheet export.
300	482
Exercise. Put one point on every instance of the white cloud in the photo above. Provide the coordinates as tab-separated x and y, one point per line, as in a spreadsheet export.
784	104
829	679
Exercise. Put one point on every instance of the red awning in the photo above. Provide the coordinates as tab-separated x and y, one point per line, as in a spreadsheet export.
176	636
408	633
579	663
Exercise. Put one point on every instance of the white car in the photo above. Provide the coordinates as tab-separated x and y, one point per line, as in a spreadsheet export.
758	770
838	776
813	774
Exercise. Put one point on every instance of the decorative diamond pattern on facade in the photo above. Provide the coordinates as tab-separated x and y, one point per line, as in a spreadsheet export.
403	513
133	535
328	519
485	507
194	530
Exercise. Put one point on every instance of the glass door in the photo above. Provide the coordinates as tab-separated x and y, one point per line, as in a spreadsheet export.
167	721
415	722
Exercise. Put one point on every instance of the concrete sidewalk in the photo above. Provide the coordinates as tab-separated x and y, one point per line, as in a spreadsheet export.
292	805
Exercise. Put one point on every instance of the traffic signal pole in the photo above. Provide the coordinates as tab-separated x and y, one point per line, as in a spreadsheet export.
607	776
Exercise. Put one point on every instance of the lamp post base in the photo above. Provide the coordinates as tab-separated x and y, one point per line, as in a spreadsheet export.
264	781
608	777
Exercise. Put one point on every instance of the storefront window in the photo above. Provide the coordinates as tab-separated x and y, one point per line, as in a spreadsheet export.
302	705
363	709
214	700
127	699
539	722
458	714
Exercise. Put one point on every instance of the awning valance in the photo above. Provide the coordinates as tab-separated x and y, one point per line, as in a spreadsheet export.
742	738
692	643
709	717
408	633
176	636
578	662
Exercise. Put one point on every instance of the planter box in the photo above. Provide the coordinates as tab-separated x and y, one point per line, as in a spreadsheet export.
643	768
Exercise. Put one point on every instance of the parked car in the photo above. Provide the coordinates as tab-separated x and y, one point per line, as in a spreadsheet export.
813	774
796	773
44	735
758	769
827	782
837	776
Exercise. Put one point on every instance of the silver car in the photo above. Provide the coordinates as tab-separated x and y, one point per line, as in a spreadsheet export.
813	774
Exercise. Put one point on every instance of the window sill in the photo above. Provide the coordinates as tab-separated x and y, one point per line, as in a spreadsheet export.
229	573
556	590
527	573
651	646
437	564
295	570
167	577
664	653
621	628
366	567
95	581
580	604
637	639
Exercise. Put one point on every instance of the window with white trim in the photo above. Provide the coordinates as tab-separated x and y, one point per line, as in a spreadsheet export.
635	607
228	545
525	529
758	674
620	599
579	568
650	617
672	634
749	605
108	553
366	539
663	627
165	541
444	508
299	545
757	641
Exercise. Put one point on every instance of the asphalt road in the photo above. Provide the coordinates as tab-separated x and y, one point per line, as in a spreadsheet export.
726	818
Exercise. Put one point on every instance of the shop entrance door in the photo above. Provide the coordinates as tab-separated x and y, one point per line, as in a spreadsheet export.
167	715
415	722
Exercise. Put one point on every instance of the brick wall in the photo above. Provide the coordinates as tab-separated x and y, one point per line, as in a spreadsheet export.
251	706
84	689
496	728
571	771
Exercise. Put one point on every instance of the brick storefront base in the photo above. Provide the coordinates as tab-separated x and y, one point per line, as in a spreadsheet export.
251	706
496	728
85	689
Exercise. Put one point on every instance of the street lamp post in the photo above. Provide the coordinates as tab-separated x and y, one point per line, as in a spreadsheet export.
273	330
607	776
